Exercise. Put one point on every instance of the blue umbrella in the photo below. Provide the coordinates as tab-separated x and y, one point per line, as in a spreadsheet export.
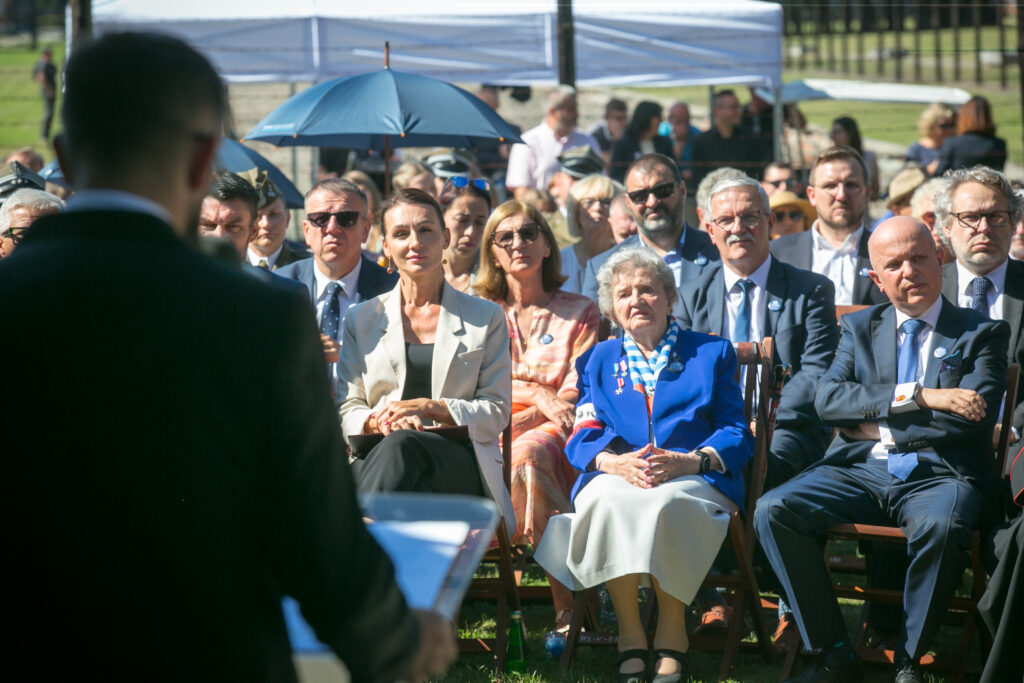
382	110
236	157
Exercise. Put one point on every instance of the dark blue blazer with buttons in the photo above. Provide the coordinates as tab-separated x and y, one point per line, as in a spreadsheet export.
971	354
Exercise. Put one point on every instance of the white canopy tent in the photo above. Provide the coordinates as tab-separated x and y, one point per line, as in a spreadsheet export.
648	42
865	91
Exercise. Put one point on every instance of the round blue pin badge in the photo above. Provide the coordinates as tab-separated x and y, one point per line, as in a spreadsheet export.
547	339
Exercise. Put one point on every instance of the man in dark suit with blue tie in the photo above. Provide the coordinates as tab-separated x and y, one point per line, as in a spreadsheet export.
656	196
914	391
750	296
836	245
338	275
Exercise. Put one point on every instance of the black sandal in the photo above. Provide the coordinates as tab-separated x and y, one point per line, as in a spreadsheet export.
637	676
684	666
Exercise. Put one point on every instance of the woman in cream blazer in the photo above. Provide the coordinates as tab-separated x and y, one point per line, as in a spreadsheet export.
469	367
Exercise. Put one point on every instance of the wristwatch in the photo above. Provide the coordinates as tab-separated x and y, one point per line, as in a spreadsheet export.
705	461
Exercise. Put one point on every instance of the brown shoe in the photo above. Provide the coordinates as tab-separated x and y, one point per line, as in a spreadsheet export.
715	617
787	635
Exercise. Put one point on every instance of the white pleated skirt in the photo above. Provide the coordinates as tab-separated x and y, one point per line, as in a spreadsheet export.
671	532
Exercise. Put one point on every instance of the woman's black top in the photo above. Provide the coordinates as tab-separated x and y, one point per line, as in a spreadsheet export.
971	149
418	358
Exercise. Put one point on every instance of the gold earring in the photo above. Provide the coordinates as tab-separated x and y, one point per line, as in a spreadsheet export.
444	261
391	265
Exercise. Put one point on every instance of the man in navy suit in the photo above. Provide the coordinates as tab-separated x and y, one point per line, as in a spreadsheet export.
338	275
751	296
656	196
914	390
836	246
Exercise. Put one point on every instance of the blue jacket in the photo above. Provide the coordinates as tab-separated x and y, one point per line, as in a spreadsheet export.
373	280
697	405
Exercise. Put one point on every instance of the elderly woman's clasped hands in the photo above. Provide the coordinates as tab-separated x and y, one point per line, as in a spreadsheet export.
649	466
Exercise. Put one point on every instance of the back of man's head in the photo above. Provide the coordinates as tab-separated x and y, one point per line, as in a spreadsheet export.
134	105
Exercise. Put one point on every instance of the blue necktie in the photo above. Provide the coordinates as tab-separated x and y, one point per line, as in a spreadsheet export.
331	315
979	294
902	464
741	330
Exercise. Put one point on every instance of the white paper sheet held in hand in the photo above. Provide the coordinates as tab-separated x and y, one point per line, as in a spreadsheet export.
422	553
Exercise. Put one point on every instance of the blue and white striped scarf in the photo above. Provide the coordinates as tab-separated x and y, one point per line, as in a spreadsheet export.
642	371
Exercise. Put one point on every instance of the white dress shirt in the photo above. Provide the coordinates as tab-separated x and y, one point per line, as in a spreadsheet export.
902	400
995	293
535	163
758	299
254	258
837	264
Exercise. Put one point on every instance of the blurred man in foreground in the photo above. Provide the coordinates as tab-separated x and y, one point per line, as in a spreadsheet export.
195	472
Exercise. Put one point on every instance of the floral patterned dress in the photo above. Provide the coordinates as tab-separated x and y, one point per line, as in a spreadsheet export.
542	477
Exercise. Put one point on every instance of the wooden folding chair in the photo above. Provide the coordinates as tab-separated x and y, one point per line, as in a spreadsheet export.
966	607
503	590
755	365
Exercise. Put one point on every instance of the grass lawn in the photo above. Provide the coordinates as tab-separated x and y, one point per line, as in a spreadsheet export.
597	664
21	107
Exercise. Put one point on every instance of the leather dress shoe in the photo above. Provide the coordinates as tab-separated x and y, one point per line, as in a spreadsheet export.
832	669
909	673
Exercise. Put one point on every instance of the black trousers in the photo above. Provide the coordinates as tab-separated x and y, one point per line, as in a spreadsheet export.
935	509
422	462
1002	606
48	107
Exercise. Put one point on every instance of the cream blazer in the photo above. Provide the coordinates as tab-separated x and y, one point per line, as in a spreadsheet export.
471	370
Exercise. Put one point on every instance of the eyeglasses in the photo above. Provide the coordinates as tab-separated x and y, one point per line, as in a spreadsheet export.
506	238
947	125
463	181
591	202
793	215
345	219
659	191
13	234
747	220
972	219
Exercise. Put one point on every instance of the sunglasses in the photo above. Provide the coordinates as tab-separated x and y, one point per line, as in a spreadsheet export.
345	219
464	181
659	191
793	215
506	238
947	125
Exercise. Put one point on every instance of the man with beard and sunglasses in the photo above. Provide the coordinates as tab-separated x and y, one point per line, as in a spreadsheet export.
338	275
836	246
656	196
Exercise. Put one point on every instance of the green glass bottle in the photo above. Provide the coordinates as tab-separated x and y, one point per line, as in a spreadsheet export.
515	656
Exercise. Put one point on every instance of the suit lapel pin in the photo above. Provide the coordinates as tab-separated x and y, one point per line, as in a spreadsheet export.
775	305
547	339
864	272
939	351
701	260
676	367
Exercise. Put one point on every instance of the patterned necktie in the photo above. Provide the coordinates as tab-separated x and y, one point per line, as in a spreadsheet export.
902	464
979	294
331	315
263	264
741	329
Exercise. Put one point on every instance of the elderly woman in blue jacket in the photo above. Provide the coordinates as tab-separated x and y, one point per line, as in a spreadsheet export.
661	438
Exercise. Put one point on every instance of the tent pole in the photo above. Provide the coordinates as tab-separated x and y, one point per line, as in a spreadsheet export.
777	122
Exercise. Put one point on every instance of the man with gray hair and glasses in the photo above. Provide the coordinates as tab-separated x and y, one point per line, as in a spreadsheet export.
976	210
533	163
19	211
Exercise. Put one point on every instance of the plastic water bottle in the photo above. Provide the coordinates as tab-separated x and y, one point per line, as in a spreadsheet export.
554	644
515	656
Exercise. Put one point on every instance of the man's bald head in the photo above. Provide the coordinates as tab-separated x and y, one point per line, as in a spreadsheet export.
905	264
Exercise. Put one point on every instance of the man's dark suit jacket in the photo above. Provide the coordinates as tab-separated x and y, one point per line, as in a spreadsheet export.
797	250
858	388
801	318
373	280
698	255
172	466
290	253
1013	313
